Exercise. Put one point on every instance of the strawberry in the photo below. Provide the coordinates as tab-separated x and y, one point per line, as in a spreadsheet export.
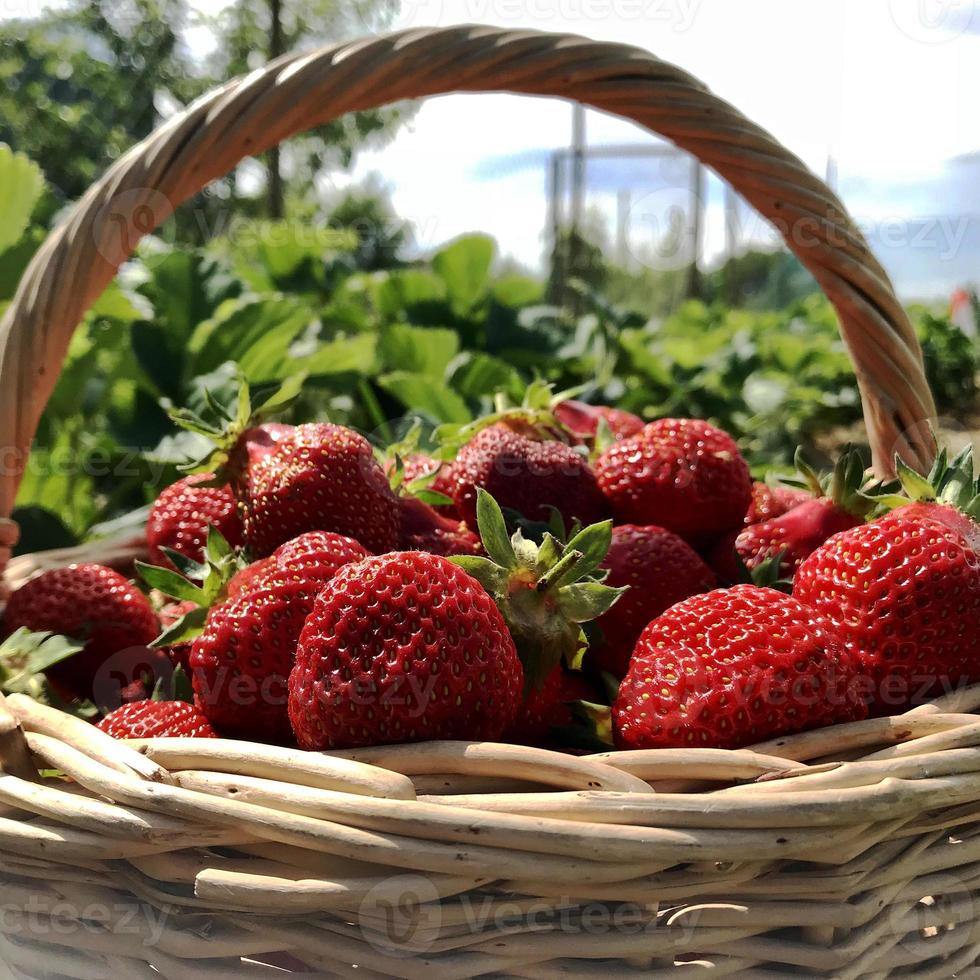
423	529
773	501
546	708
837	504
242	659
681	474
583	419
89	603
319	477
157	719
732	667
657	568
904	589
290	480
180	517
525	471
403	647
419	466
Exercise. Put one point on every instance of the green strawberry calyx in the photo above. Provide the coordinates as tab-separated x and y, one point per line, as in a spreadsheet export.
222	423
950	481
392	461
203	583
545	590
849	485
26	656
534	417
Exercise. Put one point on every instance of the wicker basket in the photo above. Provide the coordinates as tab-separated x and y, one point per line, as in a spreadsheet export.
847	852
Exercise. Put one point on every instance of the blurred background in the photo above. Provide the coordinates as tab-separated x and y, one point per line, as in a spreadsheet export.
418	258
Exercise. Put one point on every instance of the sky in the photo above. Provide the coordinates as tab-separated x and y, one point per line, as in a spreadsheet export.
887	88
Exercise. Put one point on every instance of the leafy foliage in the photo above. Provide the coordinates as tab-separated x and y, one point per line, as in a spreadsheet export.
436	340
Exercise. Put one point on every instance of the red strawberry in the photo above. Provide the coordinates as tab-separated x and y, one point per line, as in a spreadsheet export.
904	592
242	580
418	466
241	661
525	472
423	529
89	603
157	719
583	419
319	477
769	502
400	648
546	708
797	533
733	667
681	474
658	569
181	515
839	505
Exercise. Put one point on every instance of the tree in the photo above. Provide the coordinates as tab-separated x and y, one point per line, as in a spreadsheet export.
247	29
80	86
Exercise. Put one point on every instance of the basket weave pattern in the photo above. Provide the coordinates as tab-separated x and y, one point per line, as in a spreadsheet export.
469	859
825	854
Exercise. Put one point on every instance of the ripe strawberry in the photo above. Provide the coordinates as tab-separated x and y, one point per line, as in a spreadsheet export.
657	568
837	505
525	471
242	580
242	659
417	466
399	648
320	477
904	590
769	502
583	419
681	474
89	603
181	515
546	708
290	480
423	529
157	719
733	667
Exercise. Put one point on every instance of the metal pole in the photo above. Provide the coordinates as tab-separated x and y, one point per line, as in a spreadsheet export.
697	230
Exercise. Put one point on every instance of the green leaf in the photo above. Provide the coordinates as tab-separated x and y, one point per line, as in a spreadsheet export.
464	266
25	654
585	601
355	354
217	548
493	530
170	583
593	542
488	573
421	394
194	570
21	183
420	350
187	629
479	375
431	497
914	484
255	333
278	399
518	291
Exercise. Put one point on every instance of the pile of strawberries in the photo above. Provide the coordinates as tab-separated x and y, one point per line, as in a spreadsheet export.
557	574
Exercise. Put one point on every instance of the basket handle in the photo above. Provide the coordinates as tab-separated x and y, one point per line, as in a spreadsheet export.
298	92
